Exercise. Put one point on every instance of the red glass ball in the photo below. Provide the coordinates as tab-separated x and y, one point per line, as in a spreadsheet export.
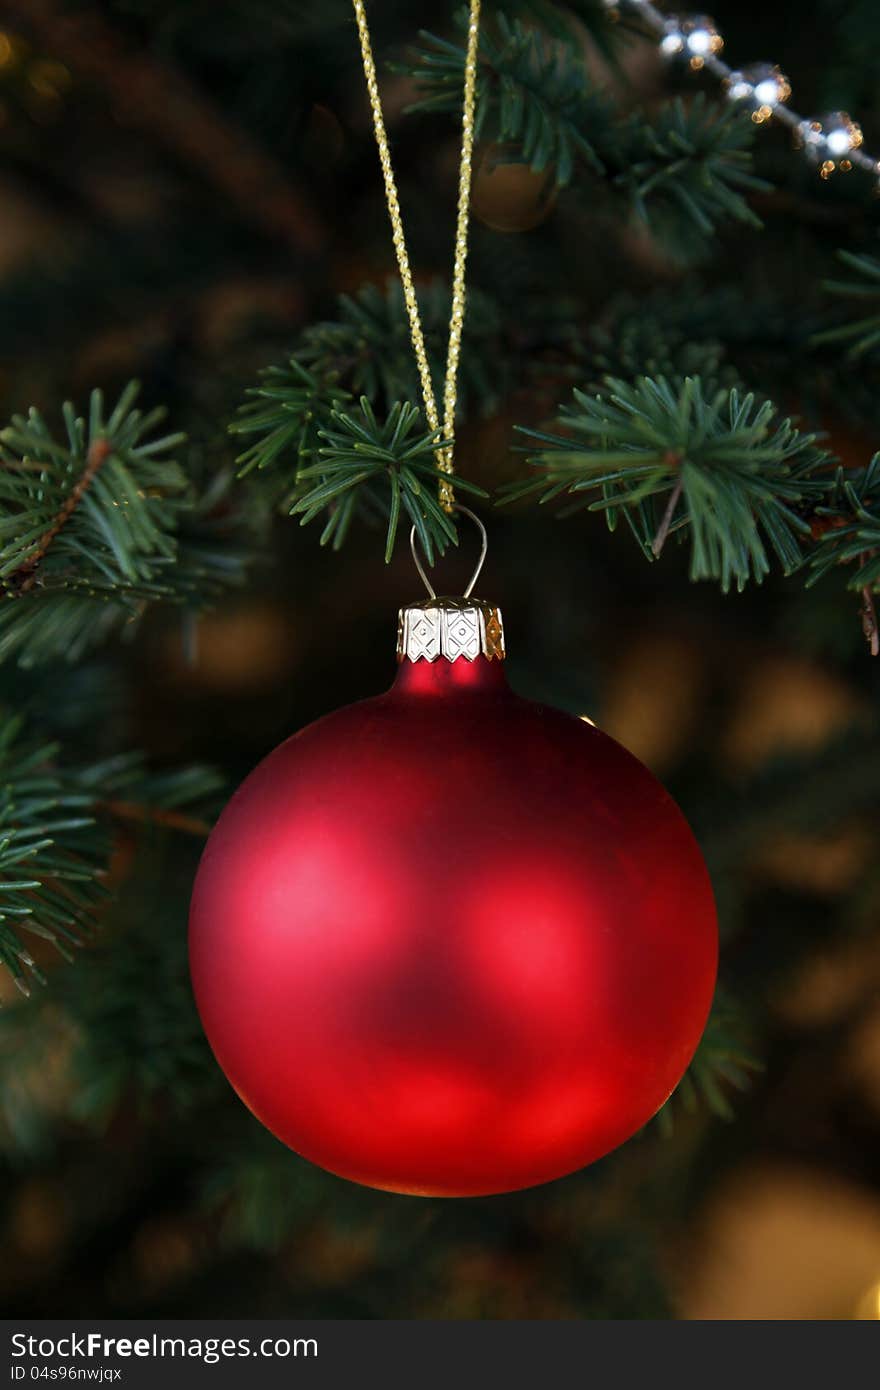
450	942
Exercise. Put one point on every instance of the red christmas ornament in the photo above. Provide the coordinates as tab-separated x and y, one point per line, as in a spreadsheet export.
450	942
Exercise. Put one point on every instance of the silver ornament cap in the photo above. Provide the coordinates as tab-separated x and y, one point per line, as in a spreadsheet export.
450	628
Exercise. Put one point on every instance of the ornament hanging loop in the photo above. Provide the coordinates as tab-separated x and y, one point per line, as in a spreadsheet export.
484	547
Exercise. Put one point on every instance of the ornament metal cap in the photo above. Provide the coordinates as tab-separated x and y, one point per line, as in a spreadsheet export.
450	627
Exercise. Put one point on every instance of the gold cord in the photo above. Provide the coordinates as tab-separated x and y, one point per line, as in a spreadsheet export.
456	319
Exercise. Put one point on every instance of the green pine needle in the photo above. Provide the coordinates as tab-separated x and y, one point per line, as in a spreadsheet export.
685	169
91	529
323	460
719	472
847	528
688	169
532	92
861	334
394	463
722	1063
56	837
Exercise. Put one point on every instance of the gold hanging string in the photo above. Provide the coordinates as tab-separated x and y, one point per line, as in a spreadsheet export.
456	318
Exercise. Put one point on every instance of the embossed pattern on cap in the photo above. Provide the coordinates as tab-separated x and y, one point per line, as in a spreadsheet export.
450	628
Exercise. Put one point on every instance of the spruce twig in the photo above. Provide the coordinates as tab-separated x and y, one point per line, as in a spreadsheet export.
869	620
98	525
662	531
25	577
642	450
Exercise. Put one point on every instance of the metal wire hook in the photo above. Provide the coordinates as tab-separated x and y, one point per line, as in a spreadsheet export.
484	546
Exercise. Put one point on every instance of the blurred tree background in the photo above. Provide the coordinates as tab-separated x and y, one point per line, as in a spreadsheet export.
191	195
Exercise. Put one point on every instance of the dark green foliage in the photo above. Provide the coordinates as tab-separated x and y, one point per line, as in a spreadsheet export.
52	852
653	339
687	170
721	472
391	466
112	1040
531	91
90	529
569	19
861	335
263	1193
848	528
56	838
287	428
722	1063
145	1046
367	348
346	464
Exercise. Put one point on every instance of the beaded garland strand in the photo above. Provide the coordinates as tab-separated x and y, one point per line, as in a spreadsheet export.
831	142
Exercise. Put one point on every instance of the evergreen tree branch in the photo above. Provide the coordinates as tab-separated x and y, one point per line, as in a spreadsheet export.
724	1061
120	1042
95	527
532	91
719	471
57	837
861	334
341	465
688	169
846	529
24	577
570	19
685	170
395	469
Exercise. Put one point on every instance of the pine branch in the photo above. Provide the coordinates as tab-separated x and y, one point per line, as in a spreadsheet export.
846	529
334	462
53	857
390	466
532	91
367	347
24	578
570	19
720	472
723	1062
687	169
862	334
125	791
365	351
95	527
56	837
287	429
647	339
124	1027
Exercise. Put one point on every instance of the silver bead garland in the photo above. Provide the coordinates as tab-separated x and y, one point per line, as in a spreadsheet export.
830	142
